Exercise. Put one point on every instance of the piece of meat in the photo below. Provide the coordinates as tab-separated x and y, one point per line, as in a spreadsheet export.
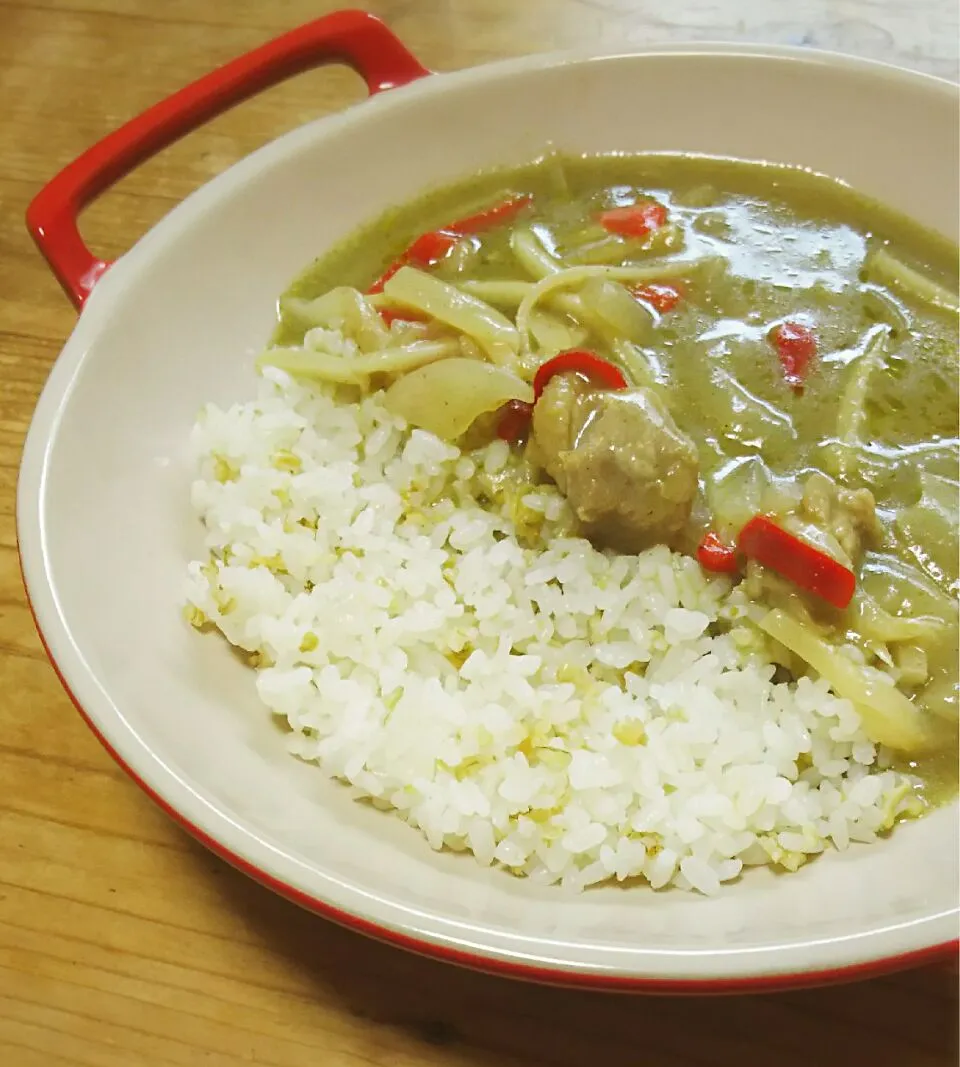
628	472
848	515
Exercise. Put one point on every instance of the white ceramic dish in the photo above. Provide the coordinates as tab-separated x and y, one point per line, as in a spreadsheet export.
105	528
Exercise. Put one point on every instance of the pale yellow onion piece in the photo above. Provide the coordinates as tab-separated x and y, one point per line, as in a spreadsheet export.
889	717
812	534
932	524
344	309
491	330
939	698
885	306
553	334
447	397
641	367
852	412
875	624
580	312
506	294
582	320
894	586
590	231
781	496
532	254
628	318
355	370
880	266
610	249
734	493
573	276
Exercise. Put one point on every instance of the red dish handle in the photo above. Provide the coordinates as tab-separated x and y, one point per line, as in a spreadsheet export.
356	38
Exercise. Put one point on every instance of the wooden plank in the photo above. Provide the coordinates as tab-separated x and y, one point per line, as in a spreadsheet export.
122	942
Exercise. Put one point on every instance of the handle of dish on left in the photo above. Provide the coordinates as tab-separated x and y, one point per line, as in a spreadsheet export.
356	38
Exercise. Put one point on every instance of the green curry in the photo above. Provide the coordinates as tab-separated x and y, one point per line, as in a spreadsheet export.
797	340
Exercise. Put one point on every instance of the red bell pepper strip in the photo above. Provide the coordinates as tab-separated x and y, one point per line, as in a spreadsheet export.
426	250
714	555
807	567
429	248
579	361
491	216
796	345
514	422
635	220
660	296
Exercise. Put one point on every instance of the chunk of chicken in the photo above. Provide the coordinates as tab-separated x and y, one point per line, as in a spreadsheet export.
848	515
628	472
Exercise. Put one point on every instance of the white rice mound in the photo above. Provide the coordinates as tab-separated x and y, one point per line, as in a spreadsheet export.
569	715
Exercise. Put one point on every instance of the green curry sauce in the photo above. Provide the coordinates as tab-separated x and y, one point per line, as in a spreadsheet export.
765	244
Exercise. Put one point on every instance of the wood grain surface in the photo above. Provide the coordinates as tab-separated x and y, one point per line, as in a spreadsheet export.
122	942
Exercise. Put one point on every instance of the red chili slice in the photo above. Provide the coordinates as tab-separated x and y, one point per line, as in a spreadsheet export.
514	422
426	250
714	555
796	345
635	220
491	216
660	296
807	567
430	248
579	361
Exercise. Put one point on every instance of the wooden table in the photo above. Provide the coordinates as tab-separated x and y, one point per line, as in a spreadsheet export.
122	942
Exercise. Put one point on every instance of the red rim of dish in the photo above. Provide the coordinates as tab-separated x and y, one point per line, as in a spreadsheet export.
542	975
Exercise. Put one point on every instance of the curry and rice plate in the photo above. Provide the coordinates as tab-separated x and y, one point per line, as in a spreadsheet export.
599	518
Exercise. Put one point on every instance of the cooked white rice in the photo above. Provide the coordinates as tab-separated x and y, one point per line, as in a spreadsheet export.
570	715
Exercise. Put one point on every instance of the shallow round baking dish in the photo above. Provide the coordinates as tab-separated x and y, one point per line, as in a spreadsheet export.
105	530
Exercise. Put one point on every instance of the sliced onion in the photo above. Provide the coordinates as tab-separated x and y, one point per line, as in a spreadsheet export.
852	413
355	370
939	697
423	292
552	334
446	398
734	493
889	717
880	266
812	534
343	309
531	253
503	294
627	317
655	270
875	624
